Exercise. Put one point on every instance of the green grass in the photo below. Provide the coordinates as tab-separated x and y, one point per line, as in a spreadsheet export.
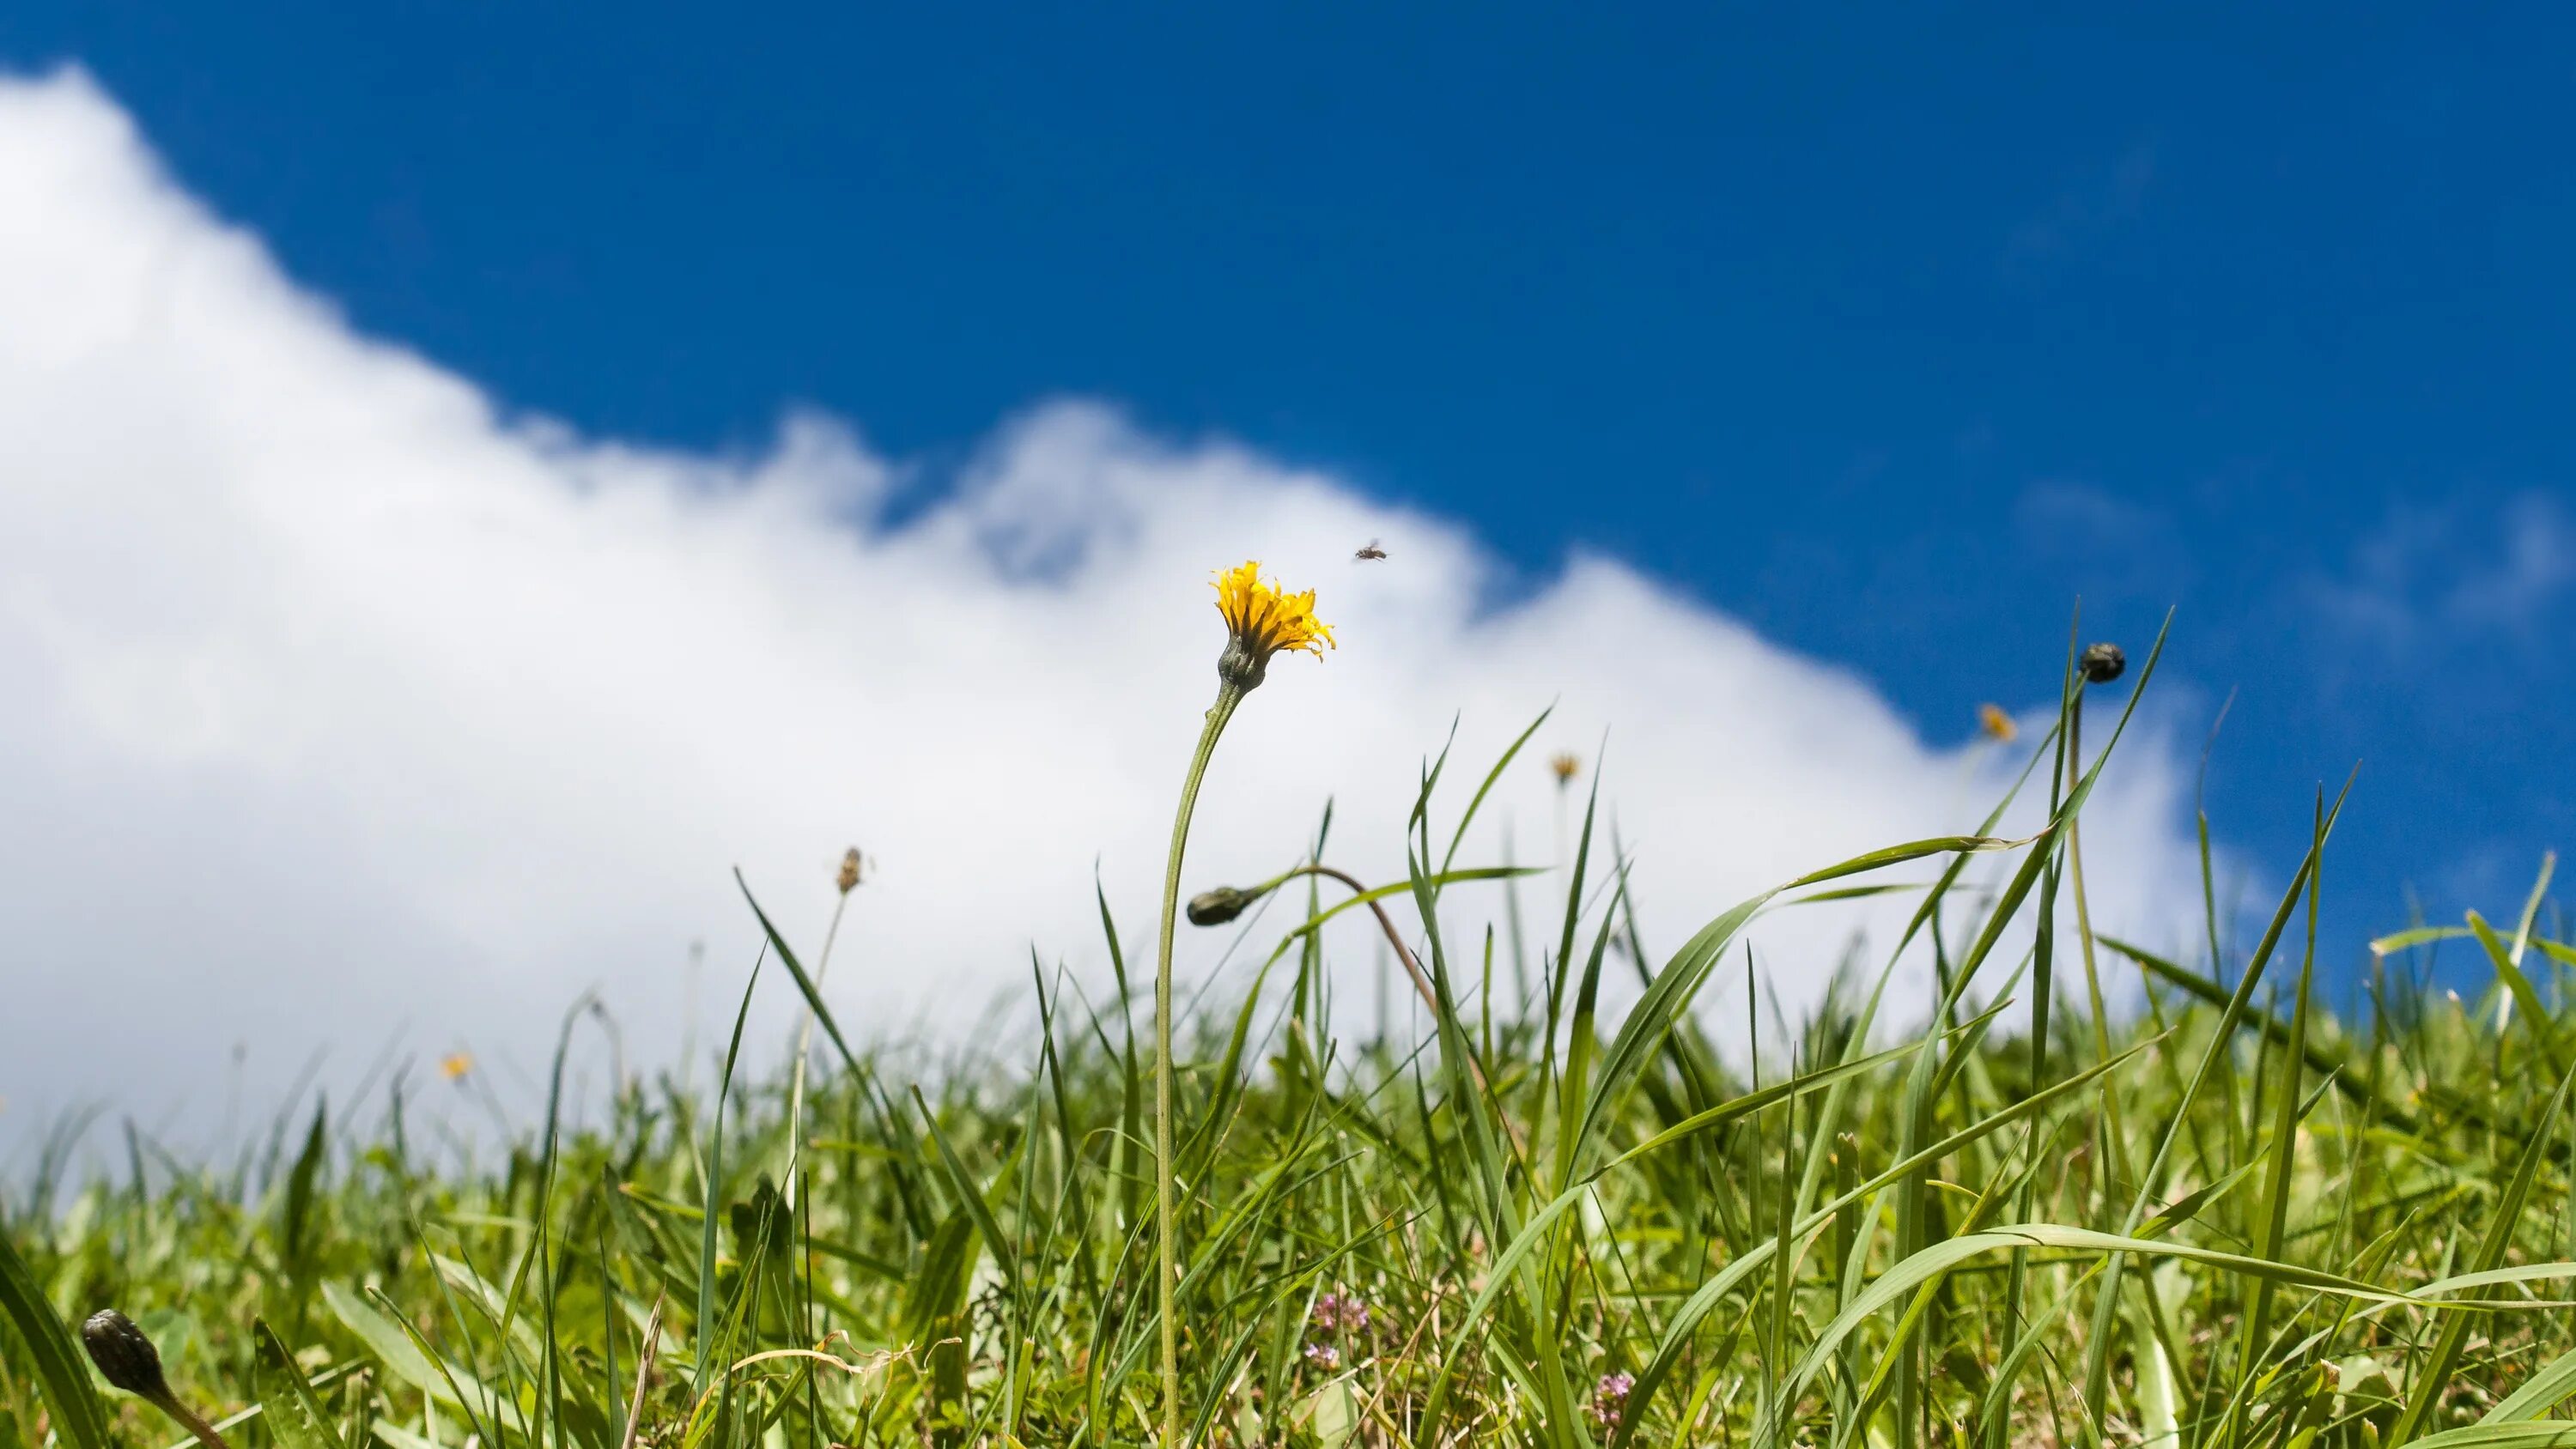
2230	1217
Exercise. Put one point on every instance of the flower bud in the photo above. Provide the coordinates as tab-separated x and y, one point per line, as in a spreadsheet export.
1216	907
124	1356
1243	664
2102	663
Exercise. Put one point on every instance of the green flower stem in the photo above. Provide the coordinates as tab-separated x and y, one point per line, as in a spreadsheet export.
1167	1208
805	1051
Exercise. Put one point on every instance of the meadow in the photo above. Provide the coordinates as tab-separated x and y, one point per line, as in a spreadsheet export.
2020	1214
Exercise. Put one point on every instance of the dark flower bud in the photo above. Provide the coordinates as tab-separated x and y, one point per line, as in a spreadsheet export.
124	1356
2102	663
1216	907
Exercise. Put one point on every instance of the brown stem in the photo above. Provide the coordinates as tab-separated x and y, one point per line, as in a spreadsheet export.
1413	968
1386	923
190	1420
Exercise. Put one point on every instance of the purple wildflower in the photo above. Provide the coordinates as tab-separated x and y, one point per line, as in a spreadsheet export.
1610	1398
1335	1312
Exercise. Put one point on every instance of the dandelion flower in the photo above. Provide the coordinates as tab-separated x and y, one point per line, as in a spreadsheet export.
1998	726
455	1066
1262	619
1566	768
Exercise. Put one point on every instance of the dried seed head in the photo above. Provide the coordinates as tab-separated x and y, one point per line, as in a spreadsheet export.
124	1356
2102	663
850	865
1218	906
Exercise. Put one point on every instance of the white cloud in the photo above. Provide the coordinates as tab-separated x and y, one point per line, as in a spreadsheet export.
341	704
2441	574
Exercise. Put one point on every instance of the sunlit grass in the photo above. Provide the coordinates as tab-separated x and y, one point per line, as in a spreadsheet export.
2226	1218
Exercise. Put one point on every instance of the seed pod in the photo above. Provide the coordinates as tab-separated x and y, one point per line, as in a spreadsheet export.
124	1356
849	877
2102	663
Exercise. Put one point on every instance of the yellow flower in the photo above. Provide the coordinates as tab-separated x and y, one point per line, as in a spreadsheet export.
455	1065
1998	725
1566	768
1261	619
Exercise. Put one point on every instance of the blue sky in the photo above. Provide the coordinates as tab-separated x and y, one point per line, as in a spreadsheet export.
1889	333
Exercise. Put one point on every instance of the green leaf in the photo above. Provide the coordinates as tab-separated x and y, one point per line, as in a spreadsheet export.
2538	1395
2524	1434
294	1416
406	1360
60	1363
969	1192
2432	1376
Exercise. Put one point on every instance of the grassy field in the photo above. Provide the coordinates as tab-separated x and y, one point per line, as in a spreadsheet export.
2224	1218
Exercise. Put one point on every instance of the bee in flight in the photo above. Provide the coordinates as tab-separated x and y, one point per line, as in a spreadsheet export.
1370	550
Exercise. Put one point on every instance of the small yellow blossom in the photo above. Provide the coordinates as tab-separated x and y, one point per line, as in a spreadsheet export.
1998	725
1261	619
455	1066
1566	768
